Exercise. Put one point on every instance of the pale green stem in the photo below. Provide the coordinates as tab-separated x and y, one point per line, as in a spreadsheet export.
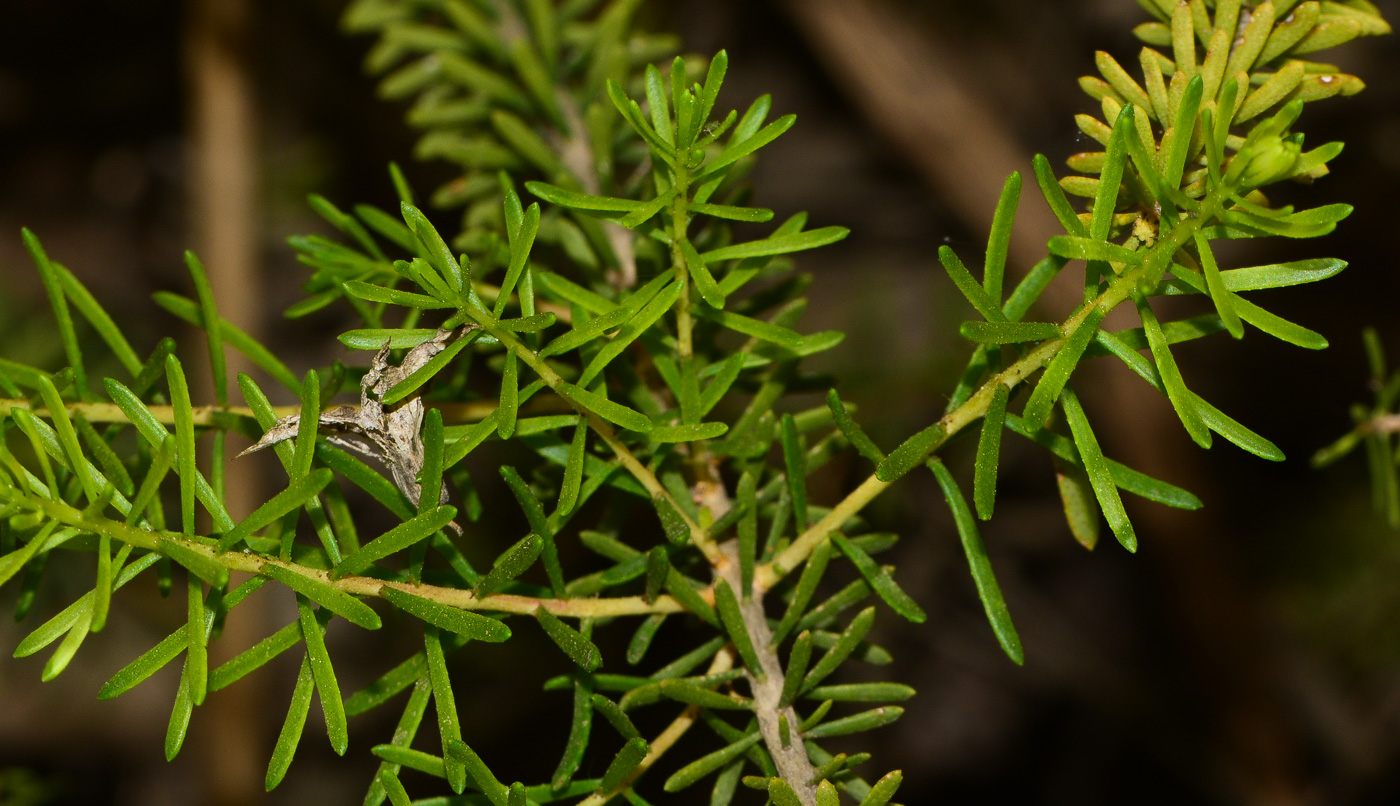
1119	289
356	585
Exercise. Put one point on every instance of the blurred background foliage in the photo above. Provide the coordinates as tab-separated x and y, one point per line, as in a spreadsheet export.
1250	652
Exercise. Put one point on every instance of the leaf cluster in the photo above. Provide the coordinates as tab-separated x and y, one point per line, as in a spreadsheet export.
596	306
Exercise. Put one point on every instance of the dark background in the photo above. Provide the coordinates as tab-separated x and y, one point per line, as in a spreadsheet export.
1249	653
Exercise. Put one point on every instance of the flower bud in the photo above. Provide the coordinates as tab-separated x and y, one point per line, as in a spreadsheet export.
1271	159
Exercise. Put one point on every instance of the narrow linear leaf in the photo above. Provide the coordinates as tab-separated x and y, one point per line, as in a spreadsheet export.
579	649
401	537
324	594
462	622
323	673
297	494
727	604
615	413
977	561
1099	474
292	726
984	482
881	582
910	454
695	770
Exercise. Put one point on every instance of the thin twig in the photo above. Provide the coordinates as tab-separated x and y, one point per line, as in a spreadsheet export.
723	661
356	585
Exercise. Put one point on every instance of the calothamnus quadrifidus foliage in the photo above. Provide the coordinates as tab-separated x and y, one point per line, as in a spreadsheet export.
1374	427
590	301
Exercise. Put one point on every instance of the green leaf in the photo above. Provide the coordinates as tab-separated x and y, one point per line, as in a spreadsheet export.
687	433
977	561
477	771
394	296
615	413
290	736
580	728
1123	476
50	275
539	524
795	462
1080	506
196	562
92	482
435	249
756	215
1055	197
635	327
324	594
324	676
251	659
851	637
364	477
910	454
579	649
212	329
781	793
1100	476
862	692
802	594
999	241
970	288
586	332
984	483
462	622
509	404
428	371
700	273
189	311
403	536
580	201
880	581
572	483
1076	248
1057	374
510	564
740	147
92	311
197	643
296	495
867	720
883	790
1281	275
375	338
1184	125
139	670
626	760
1009	332
520	245
393	788
445	703
1214	419
853	432
727	604
769	332
1274	325
184	440
1181	398
777	245
1221	296
796	671
1112	174
707	764
179	719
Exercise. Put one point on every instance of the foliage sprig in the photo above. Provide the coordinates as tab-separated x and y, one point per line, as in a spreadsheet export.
623	332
